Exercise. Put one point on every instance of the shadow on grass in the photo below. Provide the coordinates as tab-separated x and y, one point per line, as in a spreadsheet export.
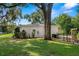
9	47
34	47
46	48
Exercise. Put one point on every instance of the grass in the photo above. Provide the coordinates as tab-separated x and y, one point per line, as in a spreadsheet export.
36	47
6	35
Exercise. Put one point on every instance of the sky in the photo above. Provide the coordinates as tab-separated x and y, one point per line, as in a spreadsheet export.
57	9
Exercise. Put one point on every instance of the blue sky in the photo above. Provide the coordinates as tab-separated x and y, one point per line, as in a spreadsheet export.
57	9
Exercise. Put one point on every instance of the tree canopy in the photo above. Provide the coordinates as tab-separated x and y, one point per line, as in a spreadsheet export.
64	21
35	17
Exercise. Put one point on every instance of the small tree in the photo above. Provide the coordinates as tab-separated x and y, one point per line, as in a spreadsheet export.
24	34
33	33
17	32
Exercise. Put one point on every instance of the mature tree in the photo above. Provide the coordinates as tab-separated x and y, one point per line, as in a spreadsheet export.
46	9
65	22
8	14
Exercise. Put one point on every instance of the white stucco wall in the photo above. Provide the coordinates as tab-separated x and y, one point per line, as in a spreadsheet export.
40	28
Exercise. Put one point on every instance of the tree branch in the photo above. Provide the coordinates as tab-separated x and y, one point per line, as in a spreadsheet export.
38	5
11	6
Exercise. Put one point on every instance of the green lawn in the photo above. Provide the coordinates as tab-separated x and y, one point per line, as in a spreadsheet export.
36	47
6	35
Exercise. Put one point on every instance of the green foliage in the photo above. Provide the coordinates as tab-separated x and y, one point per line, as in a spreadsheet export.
4	29
65	23
35	17
54	21
75	21
12	12
17	33
20	34
24	34
33	33
10	28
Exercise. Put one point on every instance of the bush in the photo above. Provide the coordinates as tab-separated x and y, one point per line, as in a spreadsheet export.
24	34
33	33
17	32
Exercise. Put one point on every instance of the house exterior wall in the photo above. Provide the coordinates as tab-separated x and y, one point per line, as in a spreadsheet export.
40	29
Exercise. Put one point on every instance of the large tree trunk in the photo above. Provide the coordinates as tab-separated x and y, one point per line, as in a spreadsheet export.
46	8
47	27
47	24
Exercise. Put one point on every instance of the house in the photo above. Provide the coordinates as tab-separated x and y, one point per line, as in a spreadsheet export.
39	29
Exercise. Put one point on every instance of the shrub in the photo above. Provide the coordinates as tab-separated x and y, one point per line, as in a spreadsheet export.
33	33
17	32
24	34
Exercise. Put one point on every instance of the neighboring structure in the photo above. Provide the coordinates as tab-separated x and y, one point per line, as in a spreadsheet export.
39	29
